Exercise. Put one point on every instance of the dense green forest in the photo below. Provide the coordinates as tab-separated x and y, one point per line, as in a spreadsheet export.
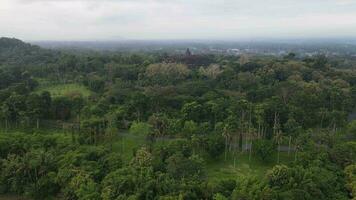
116	125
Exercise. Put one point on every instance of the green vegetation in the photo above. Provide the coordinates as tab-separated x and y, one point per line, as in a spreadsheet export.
116	126
11	197
65	90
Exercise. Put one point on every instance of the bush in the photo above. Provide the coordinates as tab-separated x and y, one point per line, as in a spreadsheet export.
140	128
264	149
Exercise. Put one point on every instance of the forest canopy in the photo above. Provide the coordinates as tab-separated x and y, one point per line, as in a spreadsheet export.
123	125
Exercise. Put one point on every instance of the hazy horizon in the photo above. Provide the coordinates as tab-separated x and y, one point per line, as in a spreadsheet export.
108	20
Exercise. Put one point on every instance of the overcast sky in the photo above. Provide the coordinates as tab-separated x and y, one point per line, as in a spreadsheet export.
176	19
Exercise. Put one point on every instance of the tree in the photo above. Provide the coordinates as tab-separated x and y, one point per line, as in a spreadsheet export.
248	187
214	146
32	174
14	108
159	122
61	108
309	182
142	159
192	111
264	149
344	153
190	128
180	167
292	128
174	126
33	105
165	73
143	129
216	109
278	139
226	135
219	197
212	71
350	172
95	127
138	103
351	129
278	176
118	184
140	128
84	187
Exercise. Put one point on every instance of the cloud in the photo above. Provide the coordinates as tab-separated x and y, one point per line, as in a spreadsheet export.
175	19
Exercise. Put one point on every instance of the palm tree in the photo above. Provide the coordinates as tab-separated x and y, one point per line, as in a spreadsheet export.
195	142
250	133
289	144
226	135
253	135
278	138
298	147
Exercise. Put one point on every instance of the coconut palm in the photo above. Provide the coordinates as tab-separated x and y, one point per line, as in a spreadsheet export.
277	134
298	147
226	135
278	139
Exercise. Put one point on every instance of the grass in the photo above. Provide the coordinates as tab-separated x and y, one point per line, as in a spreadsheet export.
218	169
65	89
221	169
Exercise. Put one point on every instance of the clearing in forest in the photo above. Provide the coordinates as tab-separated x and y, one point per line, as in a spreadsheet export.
65	89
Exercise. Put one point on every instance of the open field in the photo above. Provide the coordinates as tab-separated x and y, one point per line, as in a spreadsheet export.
65	89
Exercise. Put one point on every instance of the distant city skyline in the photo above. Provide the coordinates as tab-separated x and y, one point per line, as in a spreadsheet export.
86	20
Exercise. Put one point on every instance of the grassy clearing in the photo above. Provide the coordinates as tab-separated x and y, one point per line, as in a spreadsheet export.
65	89
218	169
242	166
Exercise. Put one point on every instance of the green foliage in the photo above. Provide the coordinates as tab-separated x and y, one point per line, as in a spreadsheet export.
305	183
140	128
264	149
190	128
84	187
252	188
350	172
76	110
351	129
224	188
344	154
165	73
71	89
219	197
192	111
180	167
214	145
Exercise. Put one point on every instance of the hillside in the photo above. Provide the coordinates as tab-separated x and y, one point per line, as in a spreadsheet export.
18	53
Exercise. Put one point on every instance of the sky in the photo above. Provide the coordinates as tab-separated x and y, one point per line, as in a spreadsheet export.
84	20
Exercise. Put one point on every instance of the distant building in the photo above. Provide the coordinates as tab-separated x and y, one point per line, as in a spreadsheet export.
188	53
